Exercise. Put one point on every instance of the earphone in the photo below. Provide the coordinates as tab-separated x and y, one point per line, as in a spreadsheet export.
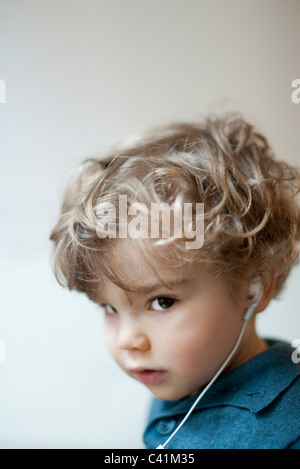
253	290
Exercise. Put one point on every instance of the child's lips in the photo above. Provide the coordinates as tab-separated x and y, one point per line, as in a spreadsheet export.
148	376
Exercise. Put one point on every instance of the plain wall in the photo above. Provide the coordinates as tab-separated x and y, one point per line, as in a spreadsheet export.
80	76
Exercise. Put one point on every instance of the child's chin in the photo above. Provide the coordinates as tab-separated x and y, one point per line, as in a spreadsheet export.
167	394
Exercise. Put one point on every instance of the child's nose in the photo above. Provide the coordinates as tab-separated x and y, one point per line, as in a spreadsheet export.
132	336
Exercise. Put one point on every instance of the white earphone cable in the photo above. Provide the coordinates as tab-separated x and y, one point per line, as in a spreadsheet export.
247	316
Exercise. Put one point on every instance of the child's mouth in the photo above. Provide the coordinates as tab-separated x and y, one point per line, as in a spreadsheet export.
148	376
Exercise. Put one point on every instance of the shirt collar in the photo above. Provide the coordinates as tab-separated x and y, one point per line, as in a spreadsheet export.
253	385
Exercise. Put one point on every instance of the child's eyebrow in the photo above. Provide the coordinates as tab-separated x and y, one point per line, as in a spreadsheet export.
146	289
168	284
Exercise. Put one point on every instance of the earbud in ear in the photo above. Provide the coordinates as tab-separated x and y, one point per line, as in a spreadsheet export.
254	291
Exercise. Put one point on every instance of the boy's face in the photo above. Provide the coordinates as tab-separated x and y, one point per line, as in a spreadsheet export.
173	341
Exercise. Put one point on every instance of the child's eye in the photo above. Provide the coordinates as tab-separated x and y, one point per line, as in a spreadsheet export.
162	303
109	309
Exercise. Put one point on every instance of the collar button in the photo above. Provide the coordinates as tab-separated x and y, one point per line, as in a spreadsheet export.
166	426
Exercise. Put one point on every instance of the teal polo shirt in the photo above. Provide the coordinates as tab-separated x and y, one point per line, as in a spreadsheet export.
254	406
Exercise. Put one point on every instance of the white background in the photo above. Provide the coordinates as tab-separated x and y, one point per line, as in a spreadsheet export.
80	76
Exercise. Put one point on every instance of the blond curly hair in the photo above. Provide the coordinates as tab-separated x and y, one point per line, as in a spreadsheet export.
252	216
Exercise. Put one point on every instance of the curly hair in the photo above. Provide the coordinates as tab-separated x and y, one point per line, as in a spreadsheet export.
251	220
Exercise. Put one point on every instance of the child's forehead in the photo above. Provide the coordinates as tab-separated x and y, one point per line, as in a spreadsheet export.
139	271
136	261
128	254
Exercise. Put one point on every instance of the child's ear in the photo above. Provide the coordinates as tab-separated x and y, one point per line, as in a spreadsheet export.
268	294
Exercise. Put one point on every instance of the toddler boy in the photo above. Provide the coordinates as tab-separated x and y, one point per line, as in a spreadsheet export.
183	236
